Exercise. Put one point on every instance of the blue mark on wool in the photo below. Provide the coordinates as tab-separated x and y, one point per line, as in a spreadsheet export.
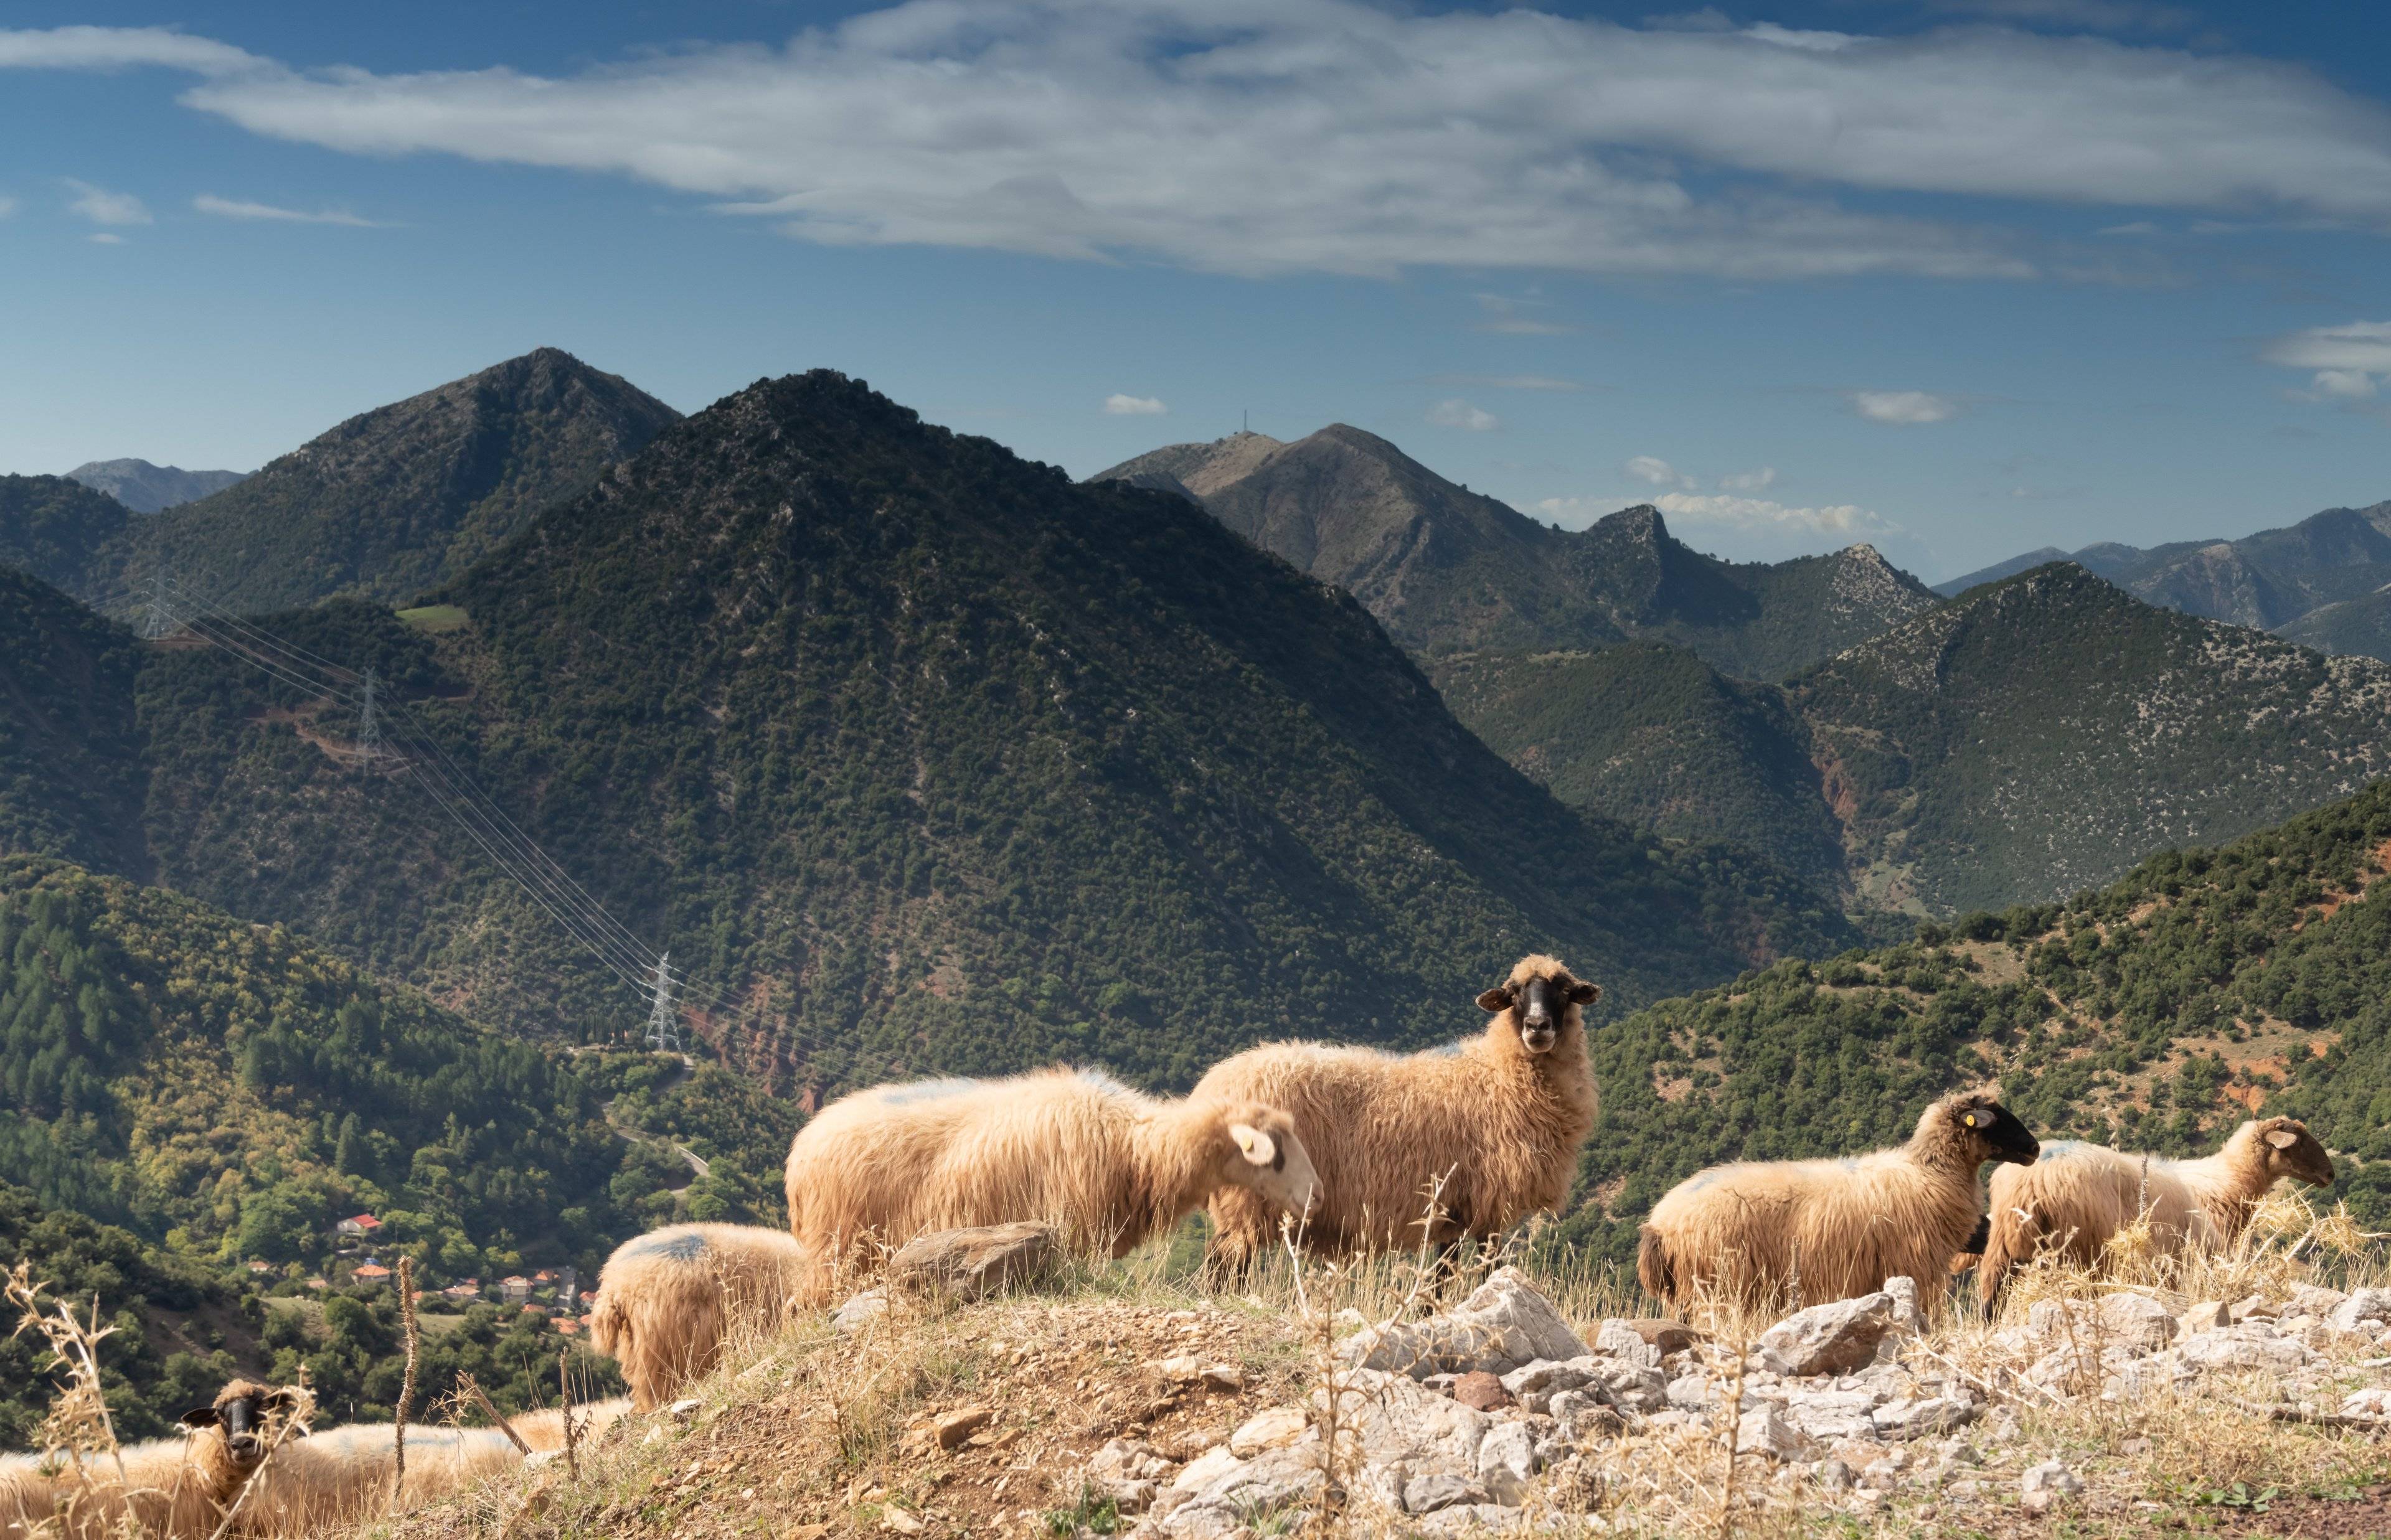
1103	1082
680	1246
1700	1180
1848	1163
1449	1050
926	1090
2058	1147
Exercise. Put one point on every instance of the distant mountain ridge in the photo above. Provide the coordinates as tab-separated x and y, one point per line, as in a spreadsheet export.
2284	580
938	759
384	505
2032	738
1447	570
146	488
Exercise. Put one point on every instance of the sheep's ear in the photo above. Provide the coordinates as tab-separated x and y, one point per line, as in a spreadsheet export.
2282	1138
1257	1147
1973	1118
200	1417
1583	993
1497	998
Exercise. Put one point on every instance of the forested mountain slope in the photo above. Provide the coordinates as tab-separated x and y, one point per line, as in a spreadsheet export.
2029	739
386	505
932	758
1445	568
72	777
2203	987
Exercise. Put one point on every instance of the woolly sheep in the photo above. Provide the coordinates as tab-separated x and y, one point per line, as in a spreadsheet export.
1497	1119
1841	1228
169	1489
337	1477
2080	1195
1106	1165
666	1300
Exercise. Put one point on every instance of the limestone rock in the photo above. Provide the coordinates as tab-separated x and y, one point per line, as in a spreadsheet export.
1472	1517
971	1263
1765	1430
1275	1429
1833	1414
1206	1469
951	1428
1909	1419
2362	1307
1440	1490
1619	1339
1828	1339
1907	1316
2045	1485
1503	1324
1391	1418
2136	1321
2246	1347
859	1310
2207	1315
1506	1461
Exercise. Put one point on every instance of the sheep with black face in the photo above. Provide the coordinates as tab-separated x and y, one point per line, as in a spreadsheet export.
169	1489
1842	1227
1492	1125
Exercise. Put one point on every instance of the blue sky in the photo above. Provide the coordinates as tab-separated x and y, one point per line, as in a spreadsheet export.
1961	277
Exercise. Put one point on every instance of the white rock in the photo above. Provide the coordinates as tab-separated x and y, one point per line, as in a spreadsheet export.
1620	1340
2307	1299
2044	1486
1463	1518
859	1310
1828	1339
1506	1461
1206	1469
2136	1321
1528	1326
1906	1316
1275	1429
1393	1418
1548	1374
1439	1490
1834	1414
1908	1419
2248	1346
682	1411
1834	1475
1764	1429
2362	1307
2374	1401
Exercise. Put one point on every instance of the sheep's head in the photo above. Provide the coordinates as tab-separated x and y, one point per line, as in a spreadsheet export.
1984	1128
2291	1151
1264	1154
244	1412
1541	999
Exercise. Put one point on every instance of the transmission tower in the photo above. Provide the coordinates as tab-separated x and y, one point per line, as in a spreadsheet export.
664	1023
369	730
153	625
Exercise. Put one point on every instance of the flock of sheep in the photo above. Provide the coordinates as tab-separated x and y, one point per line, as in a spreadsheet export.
1340	1150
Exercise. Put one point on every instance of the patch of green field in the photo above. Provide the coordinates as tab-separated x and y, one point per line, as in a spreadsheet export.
434	618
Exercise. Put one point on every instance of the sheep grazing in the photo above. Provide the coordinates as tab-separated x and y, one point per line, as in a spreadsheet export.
2079	1196
1838	1228
1491	1126
666	1300
1105	1165
340	1477
167	1489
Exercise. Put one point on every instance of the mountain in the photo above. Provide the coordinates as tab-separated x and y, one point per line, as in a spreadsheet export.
2359	626
2029	739
926	757
399	499
387	505
146	488
72	777
2203	987
2269	580
64	534
1651	735
2043	556
1447	570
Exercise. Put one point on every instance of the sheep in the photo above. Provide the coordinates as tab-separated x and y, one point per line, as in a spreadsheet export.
2081	1195
340	1476
1106	1165
666	1300
167	1489
1837	1228
1491	1124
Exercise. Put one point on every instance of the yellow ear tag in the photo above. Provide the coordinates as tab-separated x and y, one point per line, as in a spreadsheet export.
1970	1120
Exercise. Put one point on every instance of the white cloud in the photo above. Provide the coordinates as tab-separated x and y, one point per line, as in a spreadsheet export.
1905	408
2344	361
2353	345
1264	135
1503	318
1749	481
1660	473
104	238
228	208
8	207
1841	521
2102	16
1460	414
1134	406
102	207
